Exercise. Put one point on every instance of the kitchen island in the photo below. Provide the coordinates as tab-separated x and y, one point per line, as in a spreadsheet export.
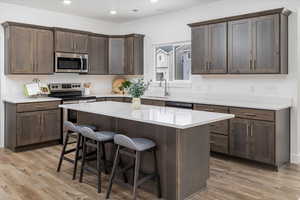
181	135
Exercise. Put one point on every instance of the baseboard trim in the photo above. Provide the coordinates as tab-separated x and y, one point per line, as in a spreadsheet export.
295	158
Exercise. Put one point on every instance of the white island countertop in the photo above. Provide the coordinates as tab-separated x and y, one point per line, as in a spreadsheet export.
164	116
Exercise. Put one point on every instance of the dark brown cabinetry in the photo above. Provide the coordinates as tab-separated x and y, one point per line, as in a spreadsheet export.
134	45
257	43
253	45
126	55
209	49
116	56
218	130
71	41
98	55
31	125
260	135
28	49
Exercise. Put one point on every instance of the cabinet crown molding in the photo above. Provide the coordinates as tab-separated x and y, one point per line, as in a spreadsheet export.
282	11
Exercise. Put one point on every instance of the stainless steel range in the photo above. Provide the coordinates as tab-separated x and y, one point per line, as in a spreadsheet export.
70	93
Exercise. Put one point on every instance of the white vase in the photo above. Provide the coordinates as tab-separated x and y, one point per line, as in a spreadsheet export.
136	103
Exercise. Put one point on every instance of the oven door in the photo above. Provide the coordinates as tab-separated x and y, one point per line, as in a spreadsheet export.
68	63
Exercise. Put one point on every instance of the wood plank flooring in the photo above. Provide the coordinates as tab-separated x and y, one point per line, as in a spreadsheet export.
32	176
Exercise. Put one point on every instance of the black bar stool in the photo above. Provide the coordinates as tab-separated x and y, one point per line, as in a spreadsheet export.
95	140
72	131
139	145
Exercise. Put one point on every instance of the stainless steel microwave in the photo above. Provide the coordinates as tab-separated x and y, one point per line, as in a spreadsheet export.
71	63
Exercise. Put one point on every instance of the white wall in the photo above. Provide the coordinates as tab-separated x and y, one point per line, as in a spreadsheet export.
12	85
173	27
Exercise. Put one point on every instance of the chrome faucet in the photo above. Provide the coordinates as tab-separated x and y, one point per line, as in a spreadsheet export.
166	93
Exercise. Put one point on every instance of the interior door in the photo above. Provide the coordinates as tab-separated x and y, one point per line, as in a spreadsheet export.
98	55
262	141
266	44
22	50
240	46
218	48
239	132
44	53
29	128
200	50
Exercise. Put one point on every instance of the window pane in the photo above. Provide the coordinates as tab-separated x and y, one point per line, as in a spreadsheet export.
164	61
182	62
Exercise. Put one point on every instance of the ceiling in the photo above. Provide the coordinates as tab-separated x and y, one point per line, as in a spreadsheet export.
99	9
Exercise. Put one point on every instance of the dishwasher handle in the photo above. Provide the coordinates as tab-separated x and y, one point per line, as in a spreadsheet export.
179	105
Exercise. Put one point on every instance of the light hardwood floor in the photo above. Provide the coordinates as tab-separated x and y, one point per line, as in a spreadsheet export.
32	176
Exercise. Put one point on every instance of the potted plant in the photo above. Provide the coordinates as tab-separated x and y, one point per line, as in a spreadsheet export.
136	90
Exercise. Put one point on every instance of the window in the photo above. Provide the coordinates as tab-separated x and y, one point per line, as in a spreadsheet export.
173	62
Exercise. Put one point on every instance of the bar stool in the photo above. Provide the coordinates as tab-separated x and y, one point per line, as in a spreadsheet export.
95	140
139	145
72	131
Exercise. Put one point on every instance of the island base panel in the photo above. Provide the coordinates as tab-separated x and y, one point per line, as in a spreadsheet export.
183	154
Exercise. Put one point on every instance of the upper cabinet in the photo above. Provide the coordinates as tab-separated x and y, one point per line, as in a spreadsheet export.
126	55
209	49
28	49
98	55
134	49
71	41
256	43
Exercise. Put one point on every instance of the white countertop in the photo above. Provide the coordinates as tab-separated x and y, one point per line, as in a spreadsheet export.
266	103
29	99
164	116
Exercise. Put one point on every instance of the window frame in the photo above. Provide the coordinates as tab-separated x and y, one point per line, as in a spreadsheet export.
173	82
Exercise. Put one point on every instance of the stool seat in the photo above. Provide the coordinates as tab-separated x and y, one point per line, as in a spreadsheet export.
76	128
136	144
94	128
101	136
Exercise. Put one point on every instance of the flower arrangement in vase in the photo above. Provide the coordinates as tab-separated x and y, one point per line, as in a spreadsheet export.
136	90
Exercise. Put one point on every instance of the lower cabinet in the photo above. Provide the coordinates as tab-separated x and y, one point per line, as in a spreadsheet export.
219	143
32	128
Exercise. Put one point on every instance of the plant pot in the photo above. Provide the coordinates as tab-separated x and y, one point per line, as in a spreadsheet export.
136	103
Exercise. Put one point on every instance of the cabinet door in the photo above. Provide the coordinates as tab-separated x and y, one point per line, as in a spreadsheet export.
116	56
200	50
80	43
239	132
64	42
138	55
44	52
239	46
21	50
266	44
217	48
98	55
51	125
262	141
219	143
29	128
129	58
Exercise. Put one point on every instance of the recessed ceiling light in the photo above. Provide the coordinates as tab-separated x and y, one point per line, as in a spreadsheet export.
153	1
67	2
113	12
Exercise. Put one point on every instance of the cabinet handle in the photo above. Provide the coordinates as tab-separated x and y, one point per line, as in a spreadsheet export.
251	130
250	114
254	65
209	110
247	131
250	64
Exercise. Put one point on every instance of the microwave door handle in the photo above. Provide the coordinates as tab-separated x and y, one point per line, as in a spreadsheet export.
81	64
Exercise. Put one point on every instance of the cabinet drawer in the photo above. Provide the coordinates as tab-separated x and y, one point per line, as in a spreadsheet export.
219	127
117	99
266	115
100	99
211	108
153	102
219	143
29	107
127	99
